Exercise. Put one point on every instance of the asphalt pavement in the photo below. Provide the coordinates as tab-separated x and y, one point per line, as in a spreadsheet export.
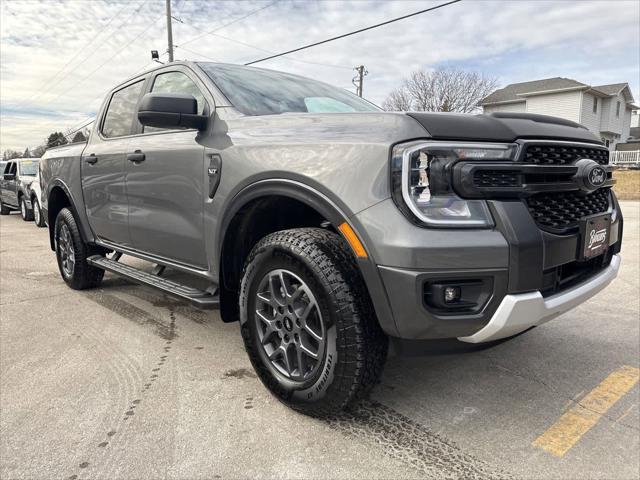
123	382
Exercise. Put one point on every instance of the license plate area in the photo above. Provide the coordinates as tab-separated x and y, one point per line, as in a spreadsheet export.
594	234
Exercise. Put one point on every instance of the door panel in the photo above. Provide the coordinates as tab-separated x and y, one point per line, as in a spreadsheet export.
166	193
103	185
103	167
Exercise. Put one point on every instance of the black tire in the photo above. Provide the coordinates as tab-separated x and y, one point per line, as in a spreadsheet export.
4	210
78	274
25	212
354	348
37	213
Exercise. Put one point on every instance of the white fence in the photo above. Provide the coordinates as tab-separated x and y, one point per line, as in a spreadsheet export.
625	158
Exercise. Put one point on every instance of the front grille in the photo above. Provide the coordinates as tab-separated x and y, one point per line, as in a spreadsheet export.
561	212
557	154
557	279
497	178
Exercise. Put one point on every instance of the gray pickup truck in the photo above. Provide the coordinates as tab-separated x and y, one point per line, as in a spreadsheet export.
325	225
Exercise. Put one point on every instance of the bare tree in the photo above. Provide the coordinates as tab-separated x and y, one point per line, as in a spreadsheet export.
443	90
398	100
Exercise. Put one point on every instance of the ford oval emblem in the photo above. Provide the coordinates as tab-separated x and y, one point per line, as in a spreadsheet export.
597	176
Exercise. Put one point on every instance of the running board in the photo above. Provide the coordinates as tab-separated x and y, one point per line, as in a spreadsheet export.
199	298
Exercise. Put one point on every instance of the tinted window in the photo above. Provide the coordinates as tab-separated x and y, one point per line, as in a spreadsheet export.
122	111
29	167
177	82
255	91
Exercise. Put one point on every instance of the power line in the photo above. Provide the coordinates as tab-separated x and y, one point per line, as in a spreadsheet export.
354	32
293	59
124	22
93	39
107	60
253	12
196	53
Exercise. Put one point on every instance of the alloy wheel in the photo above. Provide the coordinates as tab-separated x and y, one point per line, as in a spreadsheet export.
289	324
67	253
23	209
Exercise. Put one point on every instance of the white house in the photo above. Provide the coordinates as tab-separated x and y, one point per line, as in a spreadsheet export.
605	109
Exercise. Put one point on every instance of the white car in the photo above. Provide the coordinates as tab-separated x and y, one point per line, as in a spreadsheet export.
35	194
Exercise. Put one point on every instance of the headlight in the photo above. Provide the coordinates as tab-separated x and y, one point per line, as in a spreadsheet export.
421	182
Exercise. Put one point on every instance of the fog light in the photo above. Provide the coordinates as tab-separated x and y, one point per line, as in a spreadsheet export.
451	294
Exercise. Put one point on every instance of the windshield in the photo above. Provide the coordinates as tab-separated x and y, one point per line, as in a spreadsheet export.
29	168
255	91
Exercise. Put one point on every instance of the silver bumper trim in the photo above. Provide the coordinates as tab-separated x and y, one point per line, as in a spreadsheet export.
516	313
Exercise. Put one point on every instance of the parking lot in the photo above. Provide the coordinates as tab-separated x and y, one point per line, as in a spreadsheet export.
123	382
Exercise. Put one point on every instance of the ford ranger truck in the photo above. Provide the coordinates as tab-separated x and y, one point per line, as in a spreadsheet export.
326	225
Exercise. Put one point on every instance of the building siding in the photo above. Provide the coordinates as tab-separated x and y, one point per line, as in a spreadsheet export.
563	105
507	107
587	117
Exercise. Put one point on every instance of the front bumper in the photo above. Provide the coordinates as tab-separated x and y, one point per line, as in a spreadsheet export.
520	312
518	264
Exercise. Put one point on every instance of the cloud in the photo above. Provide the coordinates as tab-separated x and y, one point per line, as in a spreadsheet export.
58	59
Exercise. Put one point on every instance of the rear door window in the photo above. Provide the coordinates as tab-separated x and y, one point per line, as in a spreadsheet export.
122	113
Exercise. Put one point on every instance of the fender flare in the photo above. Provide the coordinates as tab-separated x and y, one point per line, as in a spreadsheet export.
57	183
335	211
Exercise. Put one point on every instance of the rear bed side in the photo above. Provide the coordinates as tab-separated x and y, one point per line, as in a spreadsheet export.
62	187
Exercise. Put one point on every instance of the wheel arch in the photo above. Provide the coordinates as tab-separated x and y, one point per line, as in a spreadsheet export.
58	197
256	211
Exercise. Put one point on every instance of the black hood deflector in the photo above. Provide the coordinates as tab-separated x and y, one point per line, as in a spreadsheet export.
501	127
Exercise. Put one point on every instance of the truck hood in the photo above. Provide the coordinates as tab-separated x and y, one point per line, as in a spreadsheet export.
501	127
393	127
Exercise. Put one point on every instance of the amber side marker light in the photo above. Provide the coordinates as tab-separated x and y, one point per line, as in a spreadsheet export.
353	240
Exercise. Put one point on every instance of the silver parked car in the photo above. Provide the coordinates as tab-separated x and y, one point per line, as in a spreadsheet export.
17	176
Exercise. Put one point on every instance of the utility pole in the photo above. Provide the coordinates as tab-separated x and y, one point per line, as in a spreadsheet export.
169	32
358	79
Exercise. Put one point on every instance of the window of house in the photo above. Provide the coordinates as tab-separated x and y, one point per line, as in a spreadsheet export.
122	111
595	104
606	143
177	82
618	109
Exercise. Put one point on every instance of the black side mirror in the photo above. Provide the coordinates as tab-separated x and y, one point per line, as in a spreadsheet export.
170	110
9	176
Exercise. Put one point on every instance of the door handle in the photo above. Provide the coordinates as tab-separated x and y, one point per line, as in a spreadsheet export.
136	156
91	159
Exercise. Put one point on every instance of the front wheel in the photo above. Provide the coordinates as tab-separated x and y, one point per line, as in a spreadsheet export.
307	321
72	254
37	213
25	212
4	210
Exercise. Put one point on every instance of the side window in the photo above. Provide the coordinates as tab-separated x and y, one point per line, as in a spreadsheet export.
13	168
122	111
177	82
595	104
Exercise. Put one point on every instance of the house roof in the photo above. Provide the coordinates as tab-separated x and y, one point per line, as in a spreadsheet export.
513	92
613	89
516	92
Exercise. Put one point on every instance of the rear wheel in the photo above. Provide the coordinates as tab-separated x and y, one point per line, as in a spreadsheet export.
307	321
25	212
37	213
72	254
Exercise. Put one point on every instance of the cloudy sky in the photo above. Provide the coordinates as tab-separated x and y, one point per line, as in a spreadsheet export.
58	58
